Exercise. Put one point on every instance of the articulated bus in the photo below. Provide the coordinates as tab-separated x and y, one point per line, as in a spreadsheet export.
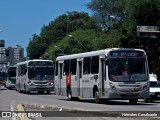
35	75
115	73
11	77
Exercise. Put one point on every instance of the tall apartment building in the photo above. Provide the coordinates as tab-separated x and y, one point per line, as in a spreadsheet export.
2	55
11	55
15	55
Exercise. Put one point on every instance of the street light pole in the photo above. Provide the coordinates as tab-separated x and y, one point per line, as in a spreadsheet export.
78	42
113	17
59	49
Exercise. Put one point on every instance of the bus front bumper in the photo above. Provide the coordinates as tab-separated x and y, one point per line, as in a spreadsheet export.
140	94
11	85
40	88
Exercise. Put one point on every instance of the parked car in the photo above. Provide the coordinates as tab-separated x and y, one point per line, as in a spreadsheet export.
154	90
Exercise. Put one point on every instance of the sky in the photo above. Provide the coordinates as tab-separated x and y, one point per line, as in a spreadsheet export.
20	19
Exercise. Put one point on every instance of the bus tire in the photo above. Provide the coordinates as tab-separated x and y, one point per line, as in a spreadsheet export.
19	89
146	100
96	96
26	91
151	100
10	88
133	101
16	88
40	92
69	94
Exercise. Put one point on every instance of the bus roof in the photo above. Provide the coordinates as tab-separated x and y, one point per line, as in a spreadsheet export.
94	53
11	68
26	62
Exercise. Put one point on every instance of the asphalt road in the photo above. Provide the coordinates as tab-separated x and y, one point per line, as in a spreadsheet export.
10	98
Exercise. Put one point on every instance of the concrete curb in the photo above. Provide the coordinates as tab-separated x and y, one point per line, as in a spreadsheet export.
75	110
51	107
90	113
20	108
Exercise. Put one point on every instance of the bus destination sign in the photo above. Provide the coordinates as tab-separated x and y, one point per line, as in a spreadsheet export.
126	54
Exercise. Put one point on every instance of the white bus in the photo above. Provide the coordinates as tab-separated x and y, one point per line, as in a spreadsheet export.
115	73
35	75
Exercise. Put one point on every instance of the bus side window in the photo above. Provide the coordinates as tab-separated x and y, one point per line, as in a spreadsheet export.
66	67
24	69
21	70
95	65
107	62
87	65
56	69
18	70
61	65
73	66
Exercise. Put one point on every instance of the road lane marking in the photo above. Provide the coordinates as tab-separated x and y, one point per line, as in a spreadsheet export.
21	108
12	109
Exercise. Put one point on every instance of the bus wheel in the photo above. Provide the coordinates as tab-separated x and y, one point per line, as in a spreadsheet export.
96	97
19	89
10	88
26	91
151	100
146	100
133	101
40	92
69	94
16	88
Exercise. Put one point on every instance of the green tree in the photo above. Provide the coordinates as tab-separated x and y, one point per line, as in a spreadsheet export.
80	41
144	13
121	29
35	47
66	23
105	10
57	29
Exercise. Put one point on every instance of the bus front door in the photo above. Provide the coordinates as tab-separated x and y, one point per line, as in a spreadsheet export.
103	77
60	79
79	78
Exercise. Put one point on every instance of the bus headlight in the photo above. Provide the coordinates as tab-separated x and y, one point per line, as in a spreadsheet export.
9	82
29	83
145	86
50	82
112	86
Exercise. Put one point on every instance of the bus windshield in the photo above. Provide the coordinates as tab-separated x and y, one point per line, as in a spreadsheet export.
127	69
12	75
40	73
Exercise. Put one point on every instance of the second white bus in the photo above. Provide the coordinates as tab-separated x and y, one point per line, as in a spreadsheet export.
35	75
